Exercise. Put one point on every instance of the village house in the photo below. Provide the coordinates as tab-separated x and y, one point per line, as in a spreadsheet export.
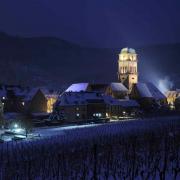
114	89
40	100
78	106
20	99
172	95
117	90
81	106
12	97
35	101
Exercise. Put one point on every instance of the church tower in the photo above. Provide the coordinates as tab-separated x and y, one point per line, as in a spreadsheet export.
127	67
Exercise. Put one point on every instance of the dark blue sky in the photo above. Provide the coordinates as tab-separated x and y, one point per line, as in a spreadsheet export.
102	23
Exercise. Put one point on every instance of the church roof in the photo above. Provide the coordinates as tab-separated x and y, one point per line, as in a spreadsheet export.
77	87
149	90
79	98
118	87
93	87
143	90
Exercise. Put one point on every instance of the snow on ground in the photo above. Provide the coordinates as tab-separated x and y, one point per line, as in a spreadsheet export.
90	131
113	127
53	131
70	146
1	131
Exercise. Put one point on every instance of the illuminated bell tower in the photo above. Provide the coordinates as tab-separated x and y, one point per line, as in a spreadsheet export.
127	67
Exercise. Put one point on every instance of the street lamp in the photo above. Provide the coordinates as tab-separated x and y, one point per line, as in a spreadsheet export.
16	126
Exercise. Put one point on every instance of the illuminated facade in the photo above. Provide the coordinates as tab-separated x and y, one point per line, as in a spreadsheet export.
50	103
127	67
51	96
171	97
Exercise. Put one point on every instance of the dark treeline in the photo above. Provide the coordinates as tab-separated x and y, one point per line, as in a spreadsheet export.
150	153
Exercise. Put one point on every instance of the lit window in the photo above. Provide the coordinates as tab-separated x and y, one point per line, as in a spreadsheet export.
77	114
77	109
23	103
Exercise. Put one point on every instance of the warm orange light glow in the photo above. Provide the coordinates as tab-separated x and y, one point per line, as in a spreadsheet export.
50	103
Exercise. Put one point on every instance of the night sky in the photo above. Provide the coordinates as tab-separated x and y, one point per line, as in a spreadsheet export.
95	23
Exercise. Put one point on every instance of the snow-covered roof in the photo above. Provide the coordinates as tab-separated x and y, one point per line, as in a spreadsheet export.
78	87
143	90
78	98
49	93
170	94
83	98
120	102
156	93
118	87
149	90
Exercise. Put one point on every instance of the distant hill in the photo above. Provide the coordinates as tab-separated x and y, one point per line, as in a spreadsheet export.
52	61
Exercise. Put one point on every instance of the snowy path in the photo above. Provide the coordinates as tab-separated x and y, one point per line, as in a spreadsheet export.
53	131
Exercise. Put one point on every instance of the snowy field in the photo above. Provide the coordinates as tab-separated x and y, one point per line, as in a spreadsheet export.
113	127
133	149
90	130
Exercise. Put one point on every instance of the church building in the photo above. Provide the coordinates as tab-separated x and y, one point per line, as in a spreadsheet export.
146	93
